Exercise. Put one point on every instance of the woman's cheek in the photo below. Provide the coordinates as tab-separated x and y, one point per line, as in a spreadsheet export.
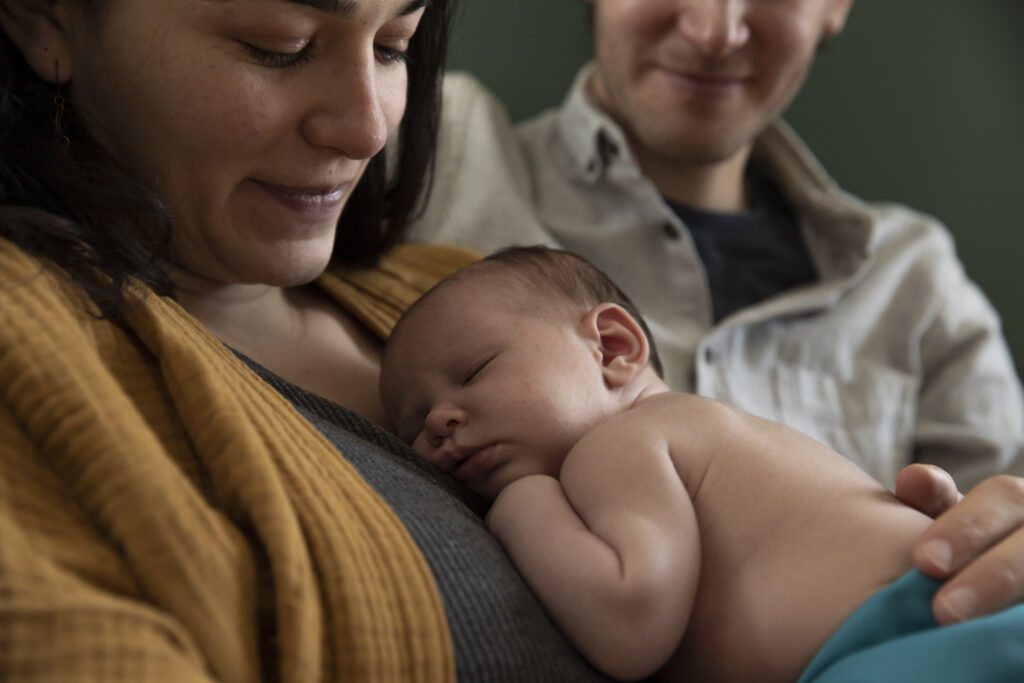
395	98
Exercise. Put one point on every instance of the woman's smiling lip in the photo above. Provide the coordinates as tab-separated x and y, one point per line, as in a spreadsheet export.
312	203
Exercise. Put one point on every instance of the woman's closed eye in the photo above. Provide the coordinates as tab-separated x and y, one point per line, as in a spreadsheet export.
391	43
391	55
282	59
384	55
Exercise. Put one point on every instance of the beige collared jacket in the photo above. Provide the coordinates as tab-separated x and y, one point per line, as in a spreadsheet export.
892	356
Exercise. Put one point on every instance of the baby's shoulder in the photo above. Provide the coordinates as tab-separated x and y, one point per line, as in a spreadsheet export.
691	420
678	407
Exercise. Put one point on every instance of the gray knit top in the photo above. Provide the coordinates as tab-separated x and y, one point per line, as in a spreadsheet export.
499	630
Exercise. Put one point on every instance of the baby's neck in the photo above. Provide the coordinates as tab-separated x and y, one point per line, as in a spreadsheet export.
645	385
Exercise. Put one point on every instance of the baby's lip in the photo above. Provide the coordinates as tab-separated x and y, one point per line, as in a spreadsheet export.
477	462
455	456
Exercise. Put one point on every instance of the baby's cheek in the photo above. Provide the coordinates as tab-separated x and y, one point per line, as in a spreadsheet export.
421	446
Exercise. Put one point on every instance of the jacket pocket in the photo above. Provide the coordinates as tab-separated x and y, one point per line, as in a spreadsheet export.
868	417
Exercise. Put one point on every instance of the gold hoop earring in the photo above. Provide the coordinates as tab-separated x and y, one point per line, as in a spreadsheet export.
58	103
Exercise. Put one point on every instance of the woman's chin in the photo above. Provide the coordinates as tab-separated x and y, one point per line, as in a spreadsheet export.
296	275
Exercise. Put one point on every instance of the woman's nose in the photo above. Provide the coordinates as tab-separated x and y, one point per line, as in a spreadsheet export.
350	111
716	27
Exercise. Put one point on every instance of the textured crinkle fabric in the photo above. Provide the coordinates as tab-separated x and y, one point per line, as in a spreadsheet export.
166	515
378	296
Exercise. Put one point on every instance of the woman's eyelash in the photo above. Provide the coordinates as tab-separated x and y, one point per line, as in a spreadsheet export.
282	60
278	60
389	55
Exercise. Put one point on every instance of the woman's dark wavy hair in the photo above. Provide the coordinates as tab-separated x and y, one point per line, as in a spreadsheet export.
75	207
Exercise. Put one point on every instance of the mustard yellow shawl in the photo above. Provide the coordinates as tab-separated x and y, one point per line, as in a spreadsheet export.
157	498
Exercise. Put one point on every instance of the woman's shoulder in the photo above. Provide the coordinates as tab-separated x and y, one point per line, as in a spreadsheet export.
32	290
379	295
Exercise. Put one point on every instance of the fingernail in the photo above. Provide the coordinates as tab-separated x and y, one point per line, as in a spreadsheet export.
960	603
940	553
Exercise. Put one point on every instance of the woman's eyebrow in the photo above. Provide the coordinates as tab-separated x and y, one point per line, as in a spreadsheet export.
347	8
415	5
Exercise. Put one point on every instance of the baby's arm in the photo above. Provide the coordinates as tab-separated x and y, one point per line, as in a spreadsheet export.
613	550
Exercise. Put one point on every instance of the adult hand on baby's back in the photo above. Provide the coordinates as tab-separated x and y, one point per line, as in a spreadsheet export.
976	542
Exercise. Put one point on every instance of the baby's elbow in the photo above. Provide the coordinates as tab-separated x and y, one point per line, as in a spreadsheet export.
639	639
626	666
631	658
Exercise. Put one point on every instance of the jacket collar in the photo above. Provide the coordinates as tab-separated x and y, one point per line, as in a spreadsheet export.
594	141
837	224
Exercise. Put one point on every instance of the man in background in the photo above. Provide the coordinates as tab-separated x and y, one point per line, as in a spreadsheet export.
765	285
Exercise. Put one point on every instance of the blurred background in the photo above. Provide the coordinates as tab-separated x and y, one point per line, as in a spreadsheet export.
916	102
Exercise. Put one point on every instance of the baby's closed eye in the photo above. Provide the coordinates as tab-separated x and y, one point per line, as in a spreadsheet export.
475	369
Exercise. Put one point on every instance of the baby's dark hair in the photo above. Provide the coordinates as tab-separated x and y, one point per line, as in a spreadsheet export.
572	276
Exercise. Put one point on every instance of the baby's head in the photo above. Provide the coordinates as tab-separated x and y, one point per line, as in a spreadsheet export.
498	370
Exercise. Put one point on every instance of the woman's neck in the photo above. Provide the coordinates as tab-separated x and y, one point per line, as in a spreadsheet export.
298	333
244	315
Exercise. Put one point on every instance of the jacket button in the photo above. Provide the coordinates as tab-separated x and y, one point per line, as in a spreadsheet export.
671	231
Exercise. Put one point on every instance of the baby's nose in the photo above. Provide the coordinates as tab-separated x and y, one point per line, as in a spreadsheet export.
442	422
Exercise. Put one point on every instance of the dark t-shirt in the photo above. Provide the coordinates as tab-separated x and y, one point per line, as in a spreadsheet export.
749	257
499	629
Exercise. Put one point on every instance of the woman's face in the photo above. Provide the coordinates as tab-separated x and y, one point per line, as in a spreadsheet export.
252	119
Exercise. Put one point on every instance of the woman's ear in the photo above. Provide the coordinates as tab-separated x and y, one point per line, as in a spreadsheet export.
38	28
620	343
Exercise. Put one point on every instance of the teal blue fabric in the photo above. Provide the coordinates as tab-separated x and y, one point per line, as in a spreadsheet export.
893	638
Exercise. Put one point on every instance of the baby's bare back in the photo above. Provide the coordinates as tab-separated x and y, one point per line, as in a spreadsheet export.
794	538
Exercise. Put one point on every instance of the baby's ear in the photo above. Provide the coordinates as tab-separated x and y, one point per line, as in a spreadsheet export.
38	28
621	344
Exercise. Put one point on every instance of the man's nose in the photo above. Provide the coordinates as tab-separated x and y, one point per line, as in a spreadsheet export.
716	27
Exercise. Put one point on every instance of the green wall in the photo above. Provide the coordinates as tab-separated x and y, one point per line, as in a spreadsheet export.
919	101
